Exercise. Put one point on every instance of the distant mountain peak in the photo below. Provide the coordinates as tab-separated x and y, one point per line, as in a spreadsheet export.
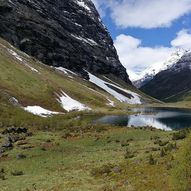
173	81
149	73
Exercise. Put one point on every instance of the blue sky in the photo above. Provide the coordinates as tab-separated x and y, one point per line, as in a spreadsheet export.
146	32
150	37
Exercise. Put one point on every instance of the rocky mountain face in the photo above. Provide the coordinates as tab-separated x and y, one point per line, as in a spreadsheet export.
66	33
172	83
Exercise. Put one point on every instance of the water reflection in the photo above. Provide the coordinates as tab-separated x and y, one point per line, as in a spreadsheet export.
160	118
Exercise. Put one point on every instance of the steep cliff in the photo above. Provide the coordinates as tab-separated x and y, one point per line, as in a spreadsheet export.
67	33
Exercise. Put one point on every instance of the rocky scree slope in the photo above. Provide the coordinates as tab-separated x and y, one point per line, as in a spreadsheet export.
172	84
67	33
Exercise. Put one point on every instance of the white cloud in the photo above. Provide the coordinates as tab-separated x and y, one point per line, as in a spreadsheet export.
145	14
137	58
183	39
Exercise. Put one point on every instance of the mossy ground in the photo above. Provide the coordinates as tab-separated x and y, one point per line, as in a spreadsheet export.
90	159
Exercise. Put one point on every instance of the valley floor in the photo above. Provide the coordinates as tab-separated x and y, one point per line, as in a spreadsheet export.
182	104
97	158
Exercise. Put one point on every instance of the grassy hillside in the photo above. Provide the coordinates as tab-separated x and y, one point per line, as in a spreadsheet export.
67	152
33	83
40	88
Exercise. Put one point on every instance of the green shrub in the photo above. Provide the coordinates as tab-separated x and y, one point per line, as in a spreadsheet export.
152	161
17	173
128	154
170	147
179	135
105	169
162	152
2	174
124	144
163	143
155	149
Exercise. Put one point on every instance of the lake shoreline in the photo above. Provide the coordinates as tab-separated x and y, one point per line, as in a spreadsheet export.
164	118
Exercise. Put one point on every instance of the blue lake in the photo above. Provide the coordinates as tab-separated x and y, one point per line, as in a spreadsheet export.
160	118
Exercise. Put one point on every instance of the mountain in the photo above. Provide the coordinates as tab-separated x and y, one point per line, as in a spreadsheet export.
29	86
56	57
149	73
172	83
61	33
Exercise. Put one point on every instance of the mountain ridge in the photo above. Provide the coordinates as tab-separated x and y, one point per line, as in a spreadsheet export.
173	83
149	73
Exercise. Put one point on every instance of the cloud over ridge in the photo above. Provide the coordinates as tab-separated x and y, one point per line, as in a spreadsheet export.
136	58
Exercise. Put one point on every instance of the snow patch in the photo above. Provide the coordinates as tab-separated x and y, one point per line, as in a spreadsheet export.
82	4
69	104
78	24
66	71
111	103
86	40
135	99
22	61
37	110
15	55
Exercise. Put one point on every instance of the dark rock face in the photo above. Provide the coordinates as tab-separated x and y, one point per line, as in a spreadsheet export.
67	33
173	83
